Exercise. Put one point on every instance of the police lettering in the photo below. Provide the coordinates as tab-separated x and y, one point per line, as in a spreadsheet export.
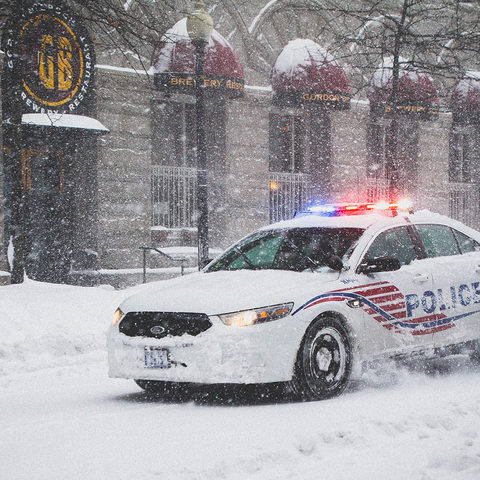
443	300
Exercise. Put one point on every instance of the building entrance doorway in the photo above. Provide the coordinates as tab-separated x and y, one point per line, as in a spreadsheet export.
47	214
51	195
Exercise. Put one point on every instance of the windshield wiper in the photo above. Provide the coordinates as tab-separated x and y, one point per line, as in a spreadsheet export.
245	257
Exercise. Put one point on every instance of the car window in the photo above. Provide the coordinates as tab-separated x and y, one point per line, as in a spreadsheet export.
260	255
256	251
465	243
295	249
392	243
306	248
438	240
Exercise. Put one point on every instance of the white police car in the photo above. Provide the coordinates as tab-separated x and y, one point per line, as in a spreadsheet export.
308	301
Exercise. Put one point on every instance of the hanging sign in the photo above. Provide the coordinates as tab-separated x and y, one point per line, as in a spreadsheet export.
329	100
420	110
231	87
49	59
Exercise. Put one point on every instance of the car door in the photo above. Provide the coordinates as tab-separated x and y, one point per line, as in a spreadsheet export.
396	321
454	259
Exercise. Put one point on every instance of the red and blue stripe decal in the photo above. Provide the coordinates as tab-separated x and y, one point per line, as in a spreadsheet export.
386	304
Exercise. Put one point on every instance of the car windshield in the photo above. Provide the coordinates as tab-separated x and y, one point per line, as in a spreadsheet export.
294	249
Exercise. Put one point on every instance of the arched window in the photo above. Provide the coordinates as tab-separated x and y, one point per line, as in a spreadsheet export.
308	84
393	131
174	128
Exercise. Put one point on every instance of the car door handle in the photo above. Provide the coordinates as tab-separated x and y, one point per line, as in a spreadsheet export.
477	269
421	278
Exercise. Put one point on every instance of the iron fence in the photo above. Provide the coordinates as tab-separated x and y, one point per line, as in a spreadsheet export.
465	203
289	193
173	196
376	189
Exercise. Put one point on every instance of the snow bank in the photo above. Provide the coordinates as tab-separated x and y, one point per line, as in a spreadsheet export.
45	325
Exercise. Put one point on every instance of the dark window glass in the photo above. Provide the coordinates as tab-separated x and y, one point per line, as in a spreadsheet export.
461	159
288	143
438	240
296	250
173	131
392	243
392	150
375	149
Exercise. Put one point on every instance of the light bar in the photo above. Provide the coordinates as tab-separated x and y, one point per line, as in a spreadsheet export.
336	210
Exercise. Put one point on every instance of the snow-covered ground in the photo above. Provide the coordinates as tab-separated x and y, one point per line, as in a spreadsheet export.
62	417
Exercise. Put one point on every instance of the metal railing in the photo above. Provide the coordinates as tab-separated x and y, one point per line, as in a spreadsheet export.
289	193
145	249
376	189
173	196
465	203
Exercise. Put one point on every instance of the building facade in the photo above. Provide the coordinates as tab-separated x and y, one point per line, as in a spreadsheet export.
294	134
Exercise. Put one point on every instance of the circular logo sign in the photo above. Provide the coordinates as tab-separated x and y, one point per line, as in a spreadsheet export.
53	68
55	59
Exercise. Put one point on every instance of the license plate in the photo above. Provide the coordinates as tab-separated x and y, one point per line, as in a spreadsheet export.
155	357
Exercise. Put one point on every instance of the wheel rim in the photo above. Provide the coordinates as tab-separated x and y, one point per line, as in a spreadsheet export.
327	359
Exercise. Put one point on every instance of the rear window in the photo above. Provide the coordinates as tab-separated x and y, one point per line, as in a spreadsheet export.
465	243
438	240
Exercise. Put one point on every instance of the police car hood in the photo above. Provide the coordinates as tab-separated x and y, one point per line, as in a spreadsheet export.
228	291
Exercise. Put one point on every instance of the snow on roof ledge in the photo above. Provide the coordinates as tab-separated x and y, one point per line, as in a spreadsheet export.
64	120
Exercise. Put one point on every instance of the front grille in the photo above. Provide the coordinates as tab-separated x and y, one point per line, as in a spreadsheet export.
163	324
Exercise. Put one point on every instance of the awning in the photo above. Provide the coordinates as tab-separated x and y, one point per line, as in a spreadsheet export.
306	74
465	103
416	95
64	120
173	65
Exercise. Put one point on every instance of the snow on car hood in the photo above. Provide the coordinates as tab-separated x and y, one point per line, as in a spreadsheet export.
224	292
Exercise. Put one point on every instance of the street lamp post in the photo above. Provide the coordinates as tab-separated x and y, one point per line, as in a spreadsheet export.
200	28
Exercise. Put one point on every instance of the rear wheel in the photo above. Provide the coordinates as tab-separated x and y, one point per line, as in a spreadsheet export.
166	390
324	361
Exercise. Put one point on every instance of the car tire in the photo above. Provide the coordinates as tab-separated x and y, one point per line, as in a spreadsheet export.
324	361
165	390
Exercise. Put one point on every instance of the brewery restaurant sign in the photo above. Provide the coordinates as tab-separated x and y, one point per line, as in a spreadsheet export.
185	83
49	60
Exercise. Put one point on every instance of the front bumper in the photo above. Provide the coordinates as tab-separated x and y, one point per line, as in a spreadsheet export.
256	354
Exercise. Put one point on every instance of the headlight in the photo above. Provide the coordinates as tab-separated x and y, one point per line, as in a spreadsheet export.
117	316
258	315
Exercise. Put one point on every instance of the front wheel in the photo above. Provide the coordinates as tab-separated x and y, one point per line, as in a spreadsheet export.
324	361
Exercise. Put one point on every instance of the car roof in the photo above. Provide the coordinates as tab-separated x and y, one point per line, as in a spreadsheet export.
367	220
349	221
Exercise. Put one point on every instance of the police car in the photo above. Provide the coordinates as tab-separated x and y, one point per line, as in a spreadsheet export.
308	301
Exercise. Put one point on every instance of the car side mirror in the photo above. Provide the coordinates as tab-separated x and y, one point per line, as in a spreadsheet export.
380	264
335	263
